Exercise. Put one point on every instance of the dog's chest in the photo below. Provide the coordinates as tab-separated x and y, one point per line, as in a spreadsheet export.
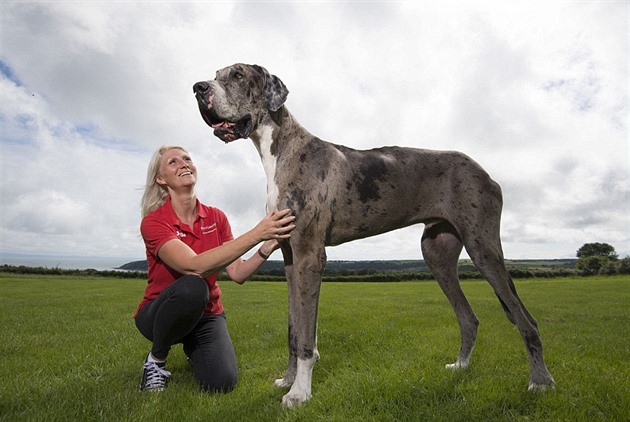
269	163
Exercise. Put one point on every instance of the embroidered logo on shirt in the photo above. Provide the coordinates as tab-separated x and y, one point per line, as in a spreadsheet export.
181	234
209	229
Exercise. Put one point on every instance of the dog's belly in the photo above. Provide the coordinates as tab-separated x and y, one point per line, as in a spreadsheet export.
372	219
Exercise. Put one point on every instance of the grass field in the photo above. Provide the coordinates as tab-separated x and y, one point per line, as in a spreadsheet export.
70	351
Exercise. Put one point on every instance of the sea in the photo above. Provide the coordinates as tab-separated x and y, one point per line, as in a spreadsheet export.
65	262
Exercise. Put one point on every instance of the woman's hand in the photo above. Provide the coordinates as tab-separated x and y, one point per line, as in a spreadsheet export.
271	230
275	226
269	246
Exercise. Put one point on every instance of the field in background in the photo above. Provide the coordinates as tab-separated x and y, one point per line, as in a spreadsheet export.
70	351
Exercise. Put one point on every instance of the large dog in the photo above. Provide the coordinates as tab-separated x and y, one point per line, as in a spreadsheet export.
339	194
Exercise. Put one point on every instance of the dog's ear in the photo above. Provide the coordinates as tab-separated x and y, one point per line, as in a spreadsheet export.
275	93
274	90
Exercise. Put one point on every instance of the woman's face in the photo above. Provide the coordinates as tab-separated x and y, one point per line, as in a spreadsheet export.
176	170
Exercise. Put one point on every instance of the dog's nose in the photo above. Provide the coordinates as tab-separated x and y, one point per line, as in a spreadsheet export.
201	87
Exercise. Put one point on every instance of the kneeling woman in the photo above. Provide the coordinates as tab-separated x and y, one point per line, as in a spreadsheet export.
187	243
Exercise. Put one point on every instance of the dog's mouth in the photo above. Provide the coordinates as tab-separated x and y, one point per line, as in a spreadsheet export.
227	130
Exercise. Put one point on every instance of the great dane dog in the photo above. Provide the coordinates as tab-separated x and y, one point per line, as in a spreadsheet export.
339	194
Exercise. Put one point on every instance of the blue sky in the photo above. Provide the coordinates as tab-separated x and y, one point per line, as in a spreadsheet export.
537	92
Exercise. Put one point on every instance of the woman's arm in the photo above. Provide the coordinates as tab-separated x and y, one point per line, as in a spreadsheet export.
181	258
239	270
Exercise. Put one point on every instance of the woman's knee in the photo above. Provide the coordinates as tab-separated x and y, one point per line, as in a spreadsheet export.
223	382
193	289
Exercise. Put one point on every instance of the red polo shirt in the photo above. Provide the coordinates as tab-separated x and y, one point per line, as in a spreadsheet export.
210	229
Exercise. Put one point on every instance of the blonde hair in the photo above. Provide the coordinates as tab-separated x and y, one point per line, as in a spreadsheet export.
155	195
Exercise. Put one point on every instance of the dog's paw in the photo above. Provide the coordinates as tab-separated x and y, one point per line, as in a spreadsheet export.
536	387
295	398
457	365
541	380
283	383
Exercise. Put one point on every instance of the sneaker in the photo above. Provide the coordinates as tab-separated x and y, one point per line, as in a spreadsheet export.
154	377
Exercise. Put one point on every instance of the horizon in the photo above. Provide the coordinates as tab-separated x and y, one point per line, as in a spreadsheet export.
70	262
7	256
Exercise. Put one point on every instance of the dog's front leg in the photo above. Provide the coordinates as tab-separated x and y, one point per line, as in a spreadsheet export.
289	377
303	302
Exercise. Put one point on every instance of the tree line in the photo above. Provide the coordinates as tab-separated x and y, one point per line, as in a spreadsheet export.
23	269
592	259
278	275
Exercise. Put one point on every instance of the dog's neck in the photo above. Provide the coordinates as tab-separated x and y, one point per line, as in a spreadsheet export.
274	138
284	126
263	140
270	142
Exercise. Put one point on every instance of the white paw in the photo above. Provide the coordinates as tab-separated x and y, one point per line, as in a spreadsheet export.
301	389
282	383
457	365
294	398
540	387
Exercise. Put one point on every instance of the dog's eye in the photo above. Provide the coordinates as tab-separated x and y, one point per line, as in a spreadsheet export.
238	75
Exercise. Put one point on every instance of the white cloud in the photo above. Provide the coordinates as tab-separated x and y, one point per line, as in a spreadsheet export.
535	92
48	212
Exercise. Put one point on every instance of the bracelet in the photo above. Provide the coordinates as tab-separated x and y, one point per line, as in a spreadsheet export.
262	255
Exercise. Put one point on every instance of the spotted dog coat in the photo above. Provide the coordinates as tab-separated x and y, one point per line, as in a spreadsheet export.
339	194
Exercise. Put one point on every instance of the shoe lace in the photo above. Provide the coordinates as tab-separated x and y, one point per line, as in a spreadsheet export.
156	376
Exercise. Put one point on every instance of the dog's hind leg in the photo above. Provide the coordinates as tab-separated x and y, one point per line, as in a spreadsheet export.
507	310
441	247
489	261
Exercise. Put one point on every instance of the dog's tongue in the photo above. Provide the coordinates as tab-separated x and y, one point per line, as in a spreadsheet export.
223	124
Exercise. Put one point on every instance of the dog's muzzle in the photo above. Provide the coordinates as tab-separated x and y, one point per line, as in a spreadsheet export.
225	129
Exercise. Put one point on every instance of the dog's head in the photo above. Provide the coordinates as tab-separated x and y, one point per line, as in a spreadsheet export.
238	98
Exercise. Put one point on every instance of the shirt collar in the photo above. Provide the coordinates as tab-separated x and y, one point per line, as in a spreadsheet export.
201	213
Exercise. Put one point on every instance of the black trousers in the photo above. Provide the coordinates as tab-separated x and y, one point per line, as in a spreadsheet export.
176	316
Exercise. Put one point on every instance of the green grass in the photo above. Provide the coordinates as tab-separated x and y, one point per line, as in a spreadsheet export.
70	351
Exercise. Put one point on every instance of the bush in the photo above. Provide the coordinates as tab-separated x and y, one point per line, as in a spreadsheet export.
624	266
591	265
610	268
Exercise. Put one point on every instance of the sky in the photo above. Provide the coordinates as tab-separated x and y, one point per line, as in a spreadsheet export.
535	91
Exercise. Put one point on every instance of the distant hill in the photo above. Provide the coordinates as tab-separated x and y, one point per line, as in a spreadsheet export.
274	267
340	271
135	266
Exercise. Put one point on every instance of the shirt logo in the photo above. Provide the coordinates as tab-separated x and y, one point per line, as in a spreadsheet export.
209	229
181	234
